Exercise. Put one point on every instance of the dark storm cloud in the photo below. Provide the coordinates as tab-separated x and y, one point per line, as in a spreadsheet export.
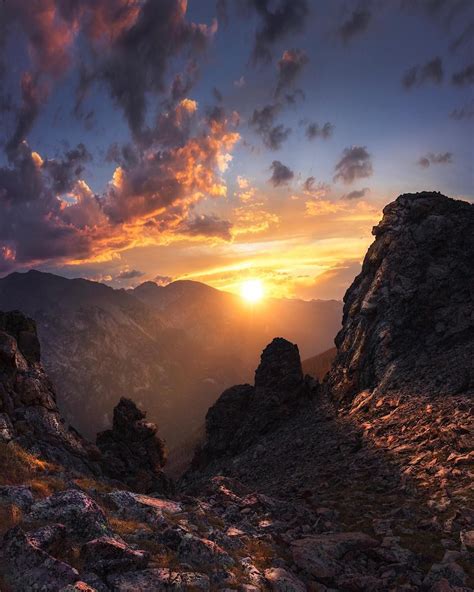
290	66
464	76
356	24
431	158
208	226
356	194
432	71
129	274
263	121
281	174
314	130
464	112
65	171
278	19
355	164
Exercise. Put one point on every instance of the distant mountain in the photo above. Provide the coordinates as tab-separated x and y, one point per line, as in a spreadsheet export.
173	349
318	366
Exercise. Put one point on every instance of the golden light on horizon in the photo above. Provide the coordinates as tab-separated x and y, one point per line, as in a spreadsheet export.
252	291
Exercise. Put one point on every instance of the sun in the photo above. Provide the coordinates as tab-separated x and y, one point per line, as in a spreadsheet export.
252	291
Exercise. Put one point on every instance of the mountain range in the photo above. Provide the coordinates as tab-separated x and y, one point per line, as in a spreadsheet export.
172	348
359	482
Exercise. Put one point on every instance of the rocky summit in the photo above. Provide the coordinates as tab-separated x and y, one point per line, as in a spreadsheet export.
245	413
409	316
359	483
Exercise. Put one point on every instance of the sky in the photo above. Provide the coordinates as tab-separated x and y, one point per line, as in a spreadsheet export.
225	141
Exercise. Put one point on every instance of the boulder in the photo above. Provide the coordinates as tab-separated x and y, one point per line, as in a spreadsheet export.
157	580
108	554
30	566
79	513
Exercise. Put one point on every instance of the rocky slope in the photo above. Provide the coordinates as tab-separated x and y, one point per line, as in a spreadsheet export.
300	486
386	442
172	349
29	416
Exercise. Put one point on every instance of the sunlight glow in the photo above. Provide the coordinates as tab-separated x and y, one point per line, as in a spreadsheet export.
252	291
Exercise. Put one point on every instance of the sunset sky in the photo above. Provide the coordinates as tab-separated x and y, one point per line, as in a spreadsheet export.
221	142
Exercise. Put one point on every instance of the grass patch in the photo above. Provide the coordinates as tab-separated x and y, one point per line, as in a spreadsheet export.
10	516
20	466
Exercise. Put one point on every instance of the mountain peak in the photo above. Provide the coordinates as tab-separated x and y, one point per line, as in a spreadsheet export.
408	318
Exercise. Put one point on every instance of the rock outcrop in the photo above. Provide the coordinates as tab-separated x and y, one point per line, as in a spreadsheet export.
409	316
132	451
29	415
245	413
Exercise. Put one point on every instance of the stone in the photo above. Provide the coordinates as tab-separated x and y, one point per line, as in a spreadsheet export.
132	452
324	556
79	513
157	580
281	580
30	566
110	554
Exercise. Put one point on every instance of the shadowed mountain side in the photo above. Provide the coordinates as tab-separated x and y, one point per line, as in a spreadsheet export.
172	349
318	366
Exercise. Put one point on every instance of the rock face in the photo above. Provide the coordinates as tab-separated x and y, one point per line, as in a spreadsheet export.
409	316
29	415
245	413
132	451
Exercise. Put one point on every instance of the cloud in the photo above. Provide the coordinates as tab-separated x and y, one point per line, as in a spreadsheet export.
240	83
277	20
465	76
162	280
207	226
464	112
64	172
356	194
138	60
129	274
356	24
432	71
332	283
314	130
150	198
431	158
263	120
290	66
355	163
314	189
281	174
130	43
32	97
